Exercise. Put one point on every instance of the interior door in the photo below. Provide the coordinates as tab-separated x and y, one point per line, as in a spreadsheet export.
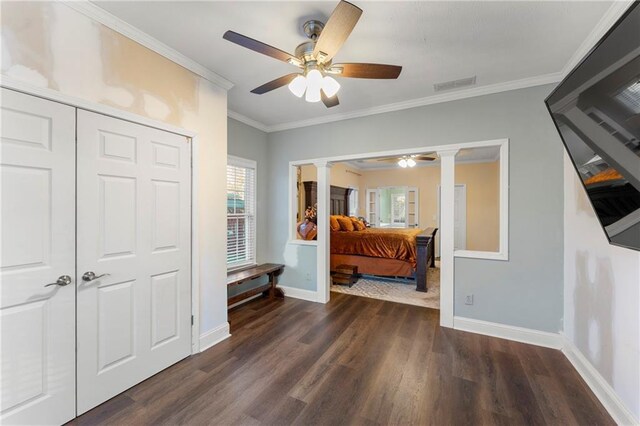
134	297
460	219
37	309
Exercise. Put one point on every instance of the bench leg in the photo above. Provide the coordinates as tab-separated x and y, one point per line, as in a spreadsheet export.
272	289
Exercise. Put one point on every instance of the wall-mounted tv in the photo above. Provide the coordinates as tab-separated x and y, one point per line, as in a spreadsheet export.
596	109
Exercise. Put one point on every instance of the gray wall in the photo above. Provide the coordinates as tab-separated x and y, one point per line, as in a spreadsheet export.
250	143
526	291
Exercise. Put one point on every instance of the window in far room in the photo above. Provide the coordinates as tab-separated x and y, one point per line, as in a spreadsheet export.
241	212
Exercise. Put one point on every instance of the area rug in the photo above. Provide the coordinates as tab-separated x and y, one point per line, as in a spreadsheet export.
393	291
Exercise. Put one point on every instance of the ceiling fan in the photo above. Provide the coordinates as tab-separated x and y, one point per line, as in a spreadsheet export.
408	160
314	58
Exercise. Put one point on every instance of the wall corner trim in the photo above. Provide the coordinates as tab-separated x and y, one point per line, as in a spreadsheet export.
509	332
298	293
214	336
598	385
100	15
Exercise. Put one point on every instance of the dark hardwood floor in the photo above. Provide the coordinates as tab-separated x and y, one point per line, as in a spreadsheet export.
357	361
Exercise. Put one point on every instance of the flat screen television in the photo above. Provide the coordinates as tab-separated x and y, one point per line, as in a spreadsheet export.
596	110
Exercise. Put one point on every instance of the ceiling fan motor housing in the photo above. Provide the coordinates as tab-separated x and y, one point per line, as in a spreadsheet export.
313	28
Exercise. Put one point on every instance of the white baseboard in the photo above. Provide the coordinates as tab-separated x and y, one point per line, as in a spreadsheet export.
298	293
509	332
599	386
213	337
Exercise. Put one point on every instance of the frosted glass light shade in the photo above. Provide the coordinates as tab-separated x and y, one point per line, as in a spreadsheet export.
298	85
314	84
411	162
403	163
330	86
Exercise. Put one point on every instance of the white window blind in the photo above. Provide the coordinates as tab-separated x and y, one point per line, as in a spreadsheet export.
241	212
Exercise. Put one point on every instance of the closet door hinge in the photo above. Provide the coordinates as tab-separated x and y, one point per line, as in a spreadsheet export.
191	319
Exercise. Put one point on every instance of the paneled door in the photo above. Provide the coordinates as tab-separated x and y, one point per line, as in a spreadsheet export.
37	271
134	291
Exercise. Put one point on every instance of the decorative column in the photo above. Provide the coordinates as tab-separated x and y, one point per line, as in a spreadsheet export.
447	215
323	263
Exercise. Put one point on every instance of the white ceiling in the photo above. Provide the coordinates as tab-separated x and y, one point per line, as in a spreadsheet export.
434	42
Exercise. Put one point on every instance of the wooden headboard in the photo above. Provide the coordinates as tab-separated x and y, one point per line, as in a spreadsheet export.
338	199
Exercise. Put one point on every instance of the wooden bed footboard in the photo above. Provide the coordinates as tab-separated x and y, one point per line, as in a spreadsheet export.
426	253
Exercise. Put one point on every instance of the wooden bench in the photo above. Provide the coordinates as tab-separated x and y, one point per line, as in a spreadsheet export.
273	270
426	253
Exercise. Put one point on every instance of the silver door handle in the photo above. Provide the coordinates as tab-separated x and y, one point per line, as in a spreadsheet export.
62	281
90	276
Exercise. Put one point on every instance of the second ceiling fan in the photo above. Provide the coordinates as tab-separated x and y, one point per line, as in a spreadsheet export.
314	58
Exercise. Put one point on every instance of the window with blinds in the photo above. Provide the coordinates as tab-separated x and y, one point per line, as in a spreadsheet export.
241	212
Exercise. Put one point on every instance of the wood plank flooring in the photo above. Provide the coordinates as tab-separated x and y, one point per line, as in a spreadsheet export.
356	361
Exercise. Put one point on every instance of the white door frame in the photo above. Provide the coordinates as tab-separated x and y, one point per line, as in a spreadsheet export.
75	102
447	153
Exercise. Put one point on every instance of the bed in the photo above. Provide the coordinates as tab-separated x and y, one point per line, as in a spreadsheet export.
395	252
387	252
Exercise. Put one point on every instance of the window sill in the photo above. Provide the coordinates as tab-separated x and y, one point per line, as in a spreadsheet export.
303	242
487	255
239	268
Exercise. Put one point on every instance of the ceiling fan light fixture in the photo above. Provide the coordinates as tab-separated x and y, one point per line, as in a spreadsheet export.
314	84
411	162
330	86
403	163
298	85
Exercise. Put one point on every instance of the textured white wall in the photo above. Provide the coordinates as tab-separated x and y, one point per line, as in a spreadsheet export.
601	295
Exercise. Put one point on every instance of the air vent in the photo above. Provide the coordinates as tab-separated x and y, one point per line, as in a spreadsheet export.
454	84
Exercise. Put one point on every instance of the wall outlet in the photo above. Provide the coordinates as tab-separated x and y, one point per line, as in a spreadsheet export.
469	299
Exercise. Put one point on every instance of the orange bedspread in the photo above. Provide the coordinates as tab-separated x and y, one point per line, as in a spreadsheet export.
379	242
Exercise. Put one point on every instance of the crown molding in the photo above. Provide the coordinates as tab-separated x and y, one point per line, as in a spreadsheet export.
100	15
246	120
615	11
429	100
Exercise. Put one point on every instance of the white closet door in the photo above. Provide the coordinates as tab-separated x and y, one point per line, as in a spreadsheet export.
37	170
134	225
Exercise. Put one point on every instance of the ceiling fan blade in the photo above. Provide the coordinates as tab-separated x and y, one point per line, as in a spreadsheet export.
329	102
336	31
366	70
260	47
389	160
274	84
424	158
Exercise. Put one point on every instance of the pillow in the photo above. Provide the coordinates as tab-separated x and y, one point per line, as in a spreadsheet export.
346	224
357	224
333	223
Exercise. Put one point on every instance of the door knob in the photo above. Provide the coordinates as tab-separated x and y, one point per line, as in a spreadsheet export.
90	276
62	281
